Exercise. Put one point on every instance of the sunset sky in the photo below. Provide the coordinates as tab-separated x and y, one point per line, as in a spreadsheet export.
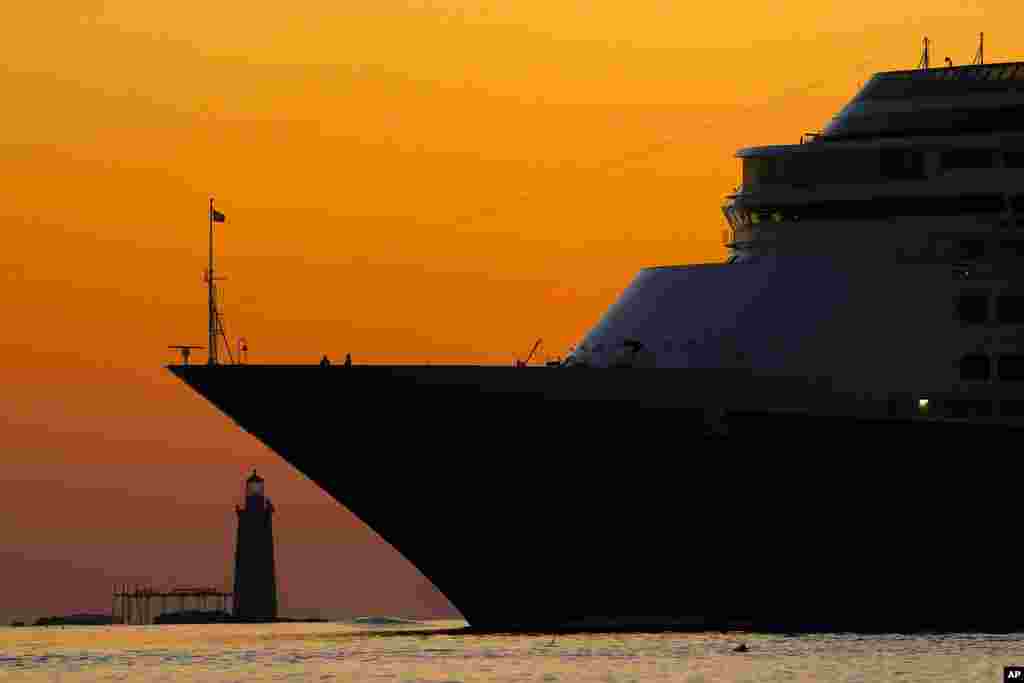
405	180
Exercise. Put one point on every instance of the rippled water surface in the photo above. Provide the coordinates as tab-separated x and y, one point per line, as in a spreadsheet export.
429	652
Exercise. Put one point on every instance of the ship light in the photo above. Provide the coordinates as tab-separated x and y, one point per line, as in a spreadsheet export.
922	405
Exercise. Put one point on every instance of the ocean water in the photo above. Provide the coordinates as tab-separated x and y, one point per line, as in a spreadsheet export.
429	653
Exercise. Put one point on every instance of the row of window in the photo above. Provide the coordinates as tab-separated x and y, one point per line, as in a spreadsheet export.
928	122
878	208
669	346
973	248
956	81
980	367
968	408
869	166
975	309
981	72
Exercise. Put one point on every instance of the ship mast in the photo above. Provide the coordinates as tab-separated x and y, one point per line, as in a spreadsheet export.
923	64
216	322
211	299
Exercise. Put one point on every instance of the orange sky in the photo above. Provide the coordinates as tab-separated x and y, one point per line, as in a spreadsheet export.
406	180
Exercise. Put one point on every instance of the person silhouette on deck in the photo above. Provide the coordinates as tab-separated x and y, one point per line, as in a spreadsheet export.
324	362
348	360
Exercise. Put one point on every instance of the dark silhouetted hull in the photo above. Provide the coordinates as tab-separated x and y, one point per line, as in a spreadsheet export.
549	498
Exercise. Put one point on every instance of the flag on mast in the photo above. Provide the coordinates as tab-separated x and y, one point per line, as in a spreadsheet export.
217	216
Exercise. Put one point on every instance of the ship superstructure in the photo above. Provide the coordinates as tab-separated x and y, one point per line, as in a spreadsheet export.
882	255
762	442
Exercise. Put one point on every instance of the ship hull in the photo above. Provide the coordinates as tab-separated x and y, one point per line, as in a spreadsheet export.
553	498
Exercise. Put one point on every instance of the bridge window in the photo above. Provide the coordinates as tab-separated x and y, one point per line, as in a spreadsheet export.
882	208
972	308
1011	368
975	367
760	170
1010	309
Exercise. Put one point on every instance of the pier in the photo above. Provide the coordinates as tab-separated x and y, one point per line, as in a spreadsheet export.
143	604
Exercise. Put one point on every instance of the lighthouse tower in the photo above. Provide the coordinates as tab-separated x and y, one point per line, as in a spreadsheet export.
255	597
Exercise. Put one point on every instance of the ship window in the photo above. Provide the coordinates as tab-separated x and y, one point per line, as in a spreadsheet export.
971	249
1013	248
975	366
668	345
758	170
972	308
598	348
965	408
1013	159
1011	368
900	164
968	158
730	217
942	247
884	208
1010	309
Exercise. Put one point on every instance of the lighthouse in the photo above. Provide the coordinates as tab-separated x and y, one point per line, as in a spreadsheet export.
255	597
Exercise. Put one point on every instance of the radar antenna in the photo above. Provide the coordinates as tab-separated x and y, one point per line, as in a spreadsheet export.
979	56
923	64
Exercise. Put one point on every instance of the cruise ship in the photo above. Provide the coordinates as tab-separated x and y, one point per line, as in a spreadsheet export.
815	435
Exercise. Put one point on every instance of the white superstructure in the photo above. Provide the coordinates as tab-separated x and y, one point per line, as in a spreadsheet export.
882	255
